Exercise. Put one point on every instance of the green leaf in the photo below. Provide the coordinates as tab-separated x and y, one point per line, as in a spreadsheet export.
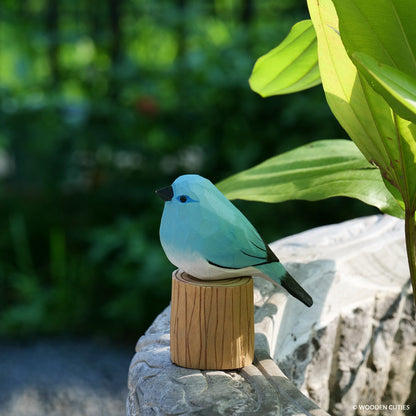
343	89
384	138
385	30
290	67
386	33
396	87
320	170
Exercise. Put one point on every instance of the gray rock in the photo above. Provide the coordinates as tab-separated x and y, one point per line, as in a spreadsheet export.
355	347
158	387
63	378
360	349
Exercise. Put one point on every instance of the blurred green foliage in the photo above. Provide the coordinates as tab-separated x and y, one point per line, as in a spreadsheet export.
103	102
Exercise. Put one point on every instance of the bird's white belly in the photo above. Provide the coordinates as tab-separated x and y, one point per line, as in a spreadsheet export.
195	265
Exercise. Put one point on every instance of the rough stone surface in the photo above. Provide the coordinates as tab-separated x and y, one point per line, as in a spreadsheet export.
360	349
355	347
158	387
62	378
163	388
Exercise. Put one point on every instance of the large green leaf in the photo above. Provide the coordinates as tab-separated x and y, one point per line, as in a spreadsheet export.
319	170
290	67
383	137
396	87
387	33
343	89
385	30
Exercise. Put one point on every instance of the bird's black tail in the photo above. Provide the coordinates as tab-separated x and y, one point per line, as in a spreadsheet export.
296	290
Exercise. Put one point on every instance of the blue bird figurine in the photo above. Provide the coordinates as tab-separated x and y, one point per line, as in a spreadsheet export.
206	236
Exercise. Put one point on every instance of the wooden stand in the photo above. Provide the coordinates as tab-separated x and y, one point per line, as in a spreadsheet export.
212	322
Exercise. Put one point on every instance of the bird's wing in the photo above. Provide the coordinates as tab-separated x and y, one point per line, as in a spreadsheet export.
233	242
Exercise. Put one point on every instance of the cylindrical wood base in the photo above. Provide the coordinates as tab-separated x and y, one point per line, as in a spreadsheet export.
212	322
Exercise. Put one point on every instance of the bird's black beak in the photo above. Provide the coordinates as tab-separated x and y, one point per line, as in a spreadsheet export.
166	193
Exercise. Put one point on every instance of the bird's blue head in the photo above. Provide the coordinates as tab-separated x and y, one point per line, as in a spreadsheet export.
192	199
186	189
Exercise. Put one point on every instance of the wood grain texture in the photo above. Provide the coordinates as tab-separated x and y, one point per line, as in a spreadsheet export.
212	322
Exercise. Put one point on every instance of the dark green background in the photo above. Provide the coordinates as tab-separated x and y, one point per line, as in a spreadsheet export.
101	103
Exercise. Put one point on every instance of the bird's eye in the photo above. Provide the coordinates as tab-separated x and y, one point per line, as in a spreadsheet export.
185	199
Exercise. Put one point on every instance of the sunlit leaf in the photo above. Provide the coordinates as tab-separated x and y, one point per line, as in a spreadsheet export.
387	33
343	89
322	169
385	30
290	67
396	87
383	137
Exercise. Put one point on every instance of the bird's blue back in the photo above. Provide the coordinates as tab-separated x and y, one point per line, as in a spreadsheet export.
208	223
203	233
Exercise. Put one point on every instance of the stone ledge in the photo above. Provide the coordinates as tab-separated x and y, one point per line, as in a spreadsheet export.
158	387
348	349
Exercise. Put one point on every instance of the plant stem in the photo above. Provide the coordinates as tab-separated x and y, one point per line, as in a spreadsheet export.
410	231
